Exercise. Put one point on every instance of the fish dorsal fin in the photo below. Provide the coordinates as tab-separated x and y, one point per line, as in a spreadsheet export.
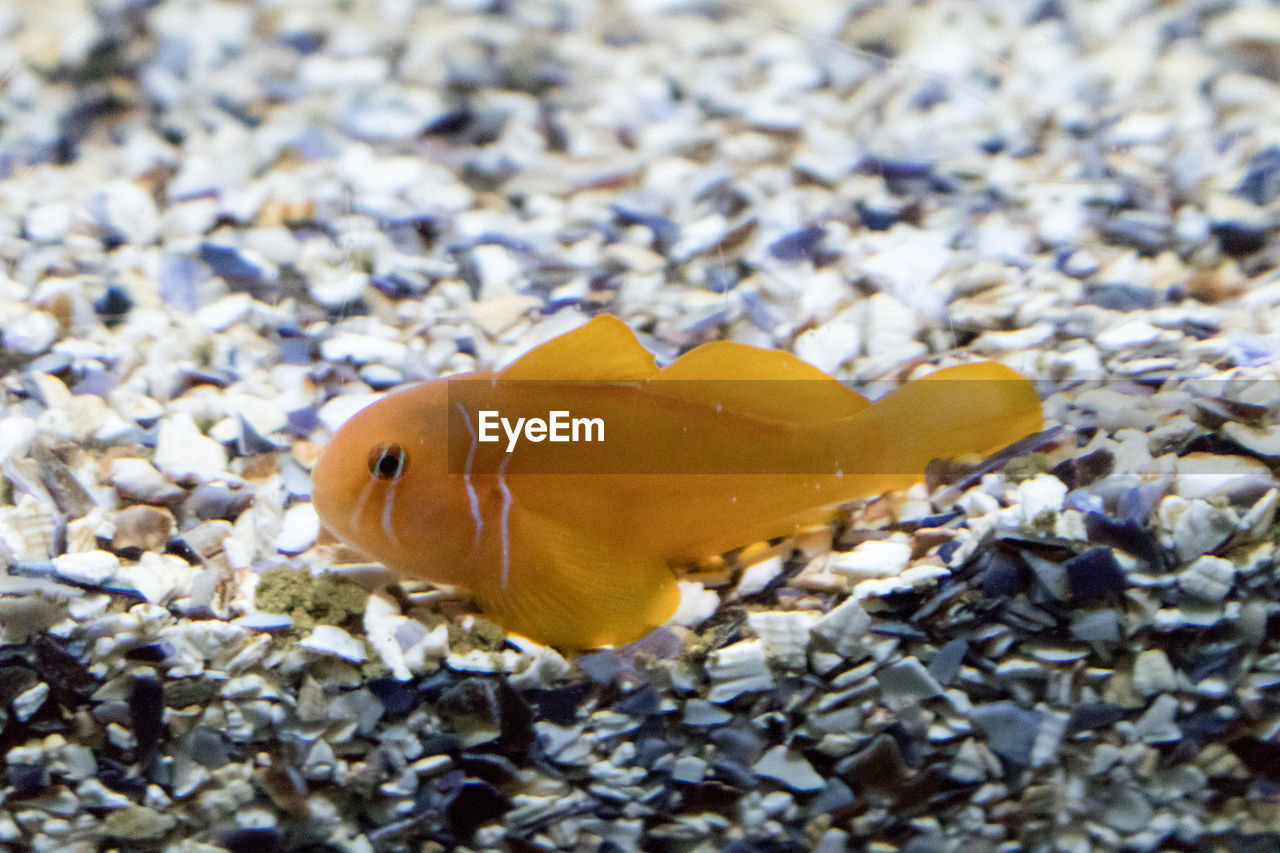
604	349
568	588
739	378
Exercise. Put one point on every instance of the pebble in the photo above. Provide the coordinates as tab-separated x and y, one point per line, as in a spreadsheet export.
1044	493
1153	673
1094	576
49	222
137	823
1157	724
1010	730
1128	334
224	313
30	332
29	530
329	640
946	663
1261	181
757	576
29	701
185	454
972	763
689	769
1200	528
1128	810
830	346
798	245
337	411
1204	475
142	528
789	768
93	568
908	680
1264	441
240	267
1101	626
697	605
391	113
158	577
298	529
845	627
699	712
737	669
785	635
873	559
125	211
260	620
1208	578
364	349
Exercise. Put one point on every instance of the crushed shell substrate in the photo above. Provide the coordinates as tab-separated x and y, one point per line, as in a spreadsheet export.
225	226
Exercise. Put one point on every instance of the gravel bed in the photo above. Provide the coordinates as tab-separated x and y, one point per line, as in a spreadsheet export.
226	226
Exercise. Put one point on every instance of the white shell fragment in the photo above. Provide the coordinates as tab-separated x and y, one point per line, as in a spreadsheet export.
184	453
328	640
785	635
759	575
298	529
697	604
28	530
90	567
789	768
737	669
1153	673
1208	578
873	559
845	628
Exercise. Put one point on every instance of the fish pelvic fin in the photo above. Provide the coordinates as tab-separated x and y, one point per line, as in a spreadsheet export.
568	589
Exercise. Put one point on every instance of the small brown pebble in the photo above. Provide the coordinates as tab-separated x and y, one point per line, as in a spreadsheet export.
145	528
926	539
259	467
305	453
1216	285
880	766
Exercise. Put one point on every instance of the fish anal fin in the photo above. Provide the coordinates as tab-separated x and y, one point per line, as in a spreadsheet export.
568	589
766	384
604	349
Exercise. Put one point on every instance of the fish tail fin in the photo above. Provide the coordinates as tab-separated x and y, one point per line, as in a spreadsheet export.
972	409
568	589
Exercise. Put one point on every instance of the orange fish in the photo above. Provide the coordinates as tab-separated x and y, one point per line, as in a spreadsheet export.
561	490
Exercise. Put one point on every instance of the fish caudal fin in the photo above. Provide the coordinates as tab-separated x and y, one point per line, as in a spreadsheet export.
568	589
972	409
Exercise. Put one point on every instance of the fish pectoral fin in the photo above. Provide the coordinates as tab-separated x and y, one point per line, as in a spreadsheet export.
733	376
567	589
604	349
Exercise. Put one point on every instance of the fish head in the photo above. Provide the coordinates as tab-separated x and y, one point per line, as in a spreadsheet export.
383	486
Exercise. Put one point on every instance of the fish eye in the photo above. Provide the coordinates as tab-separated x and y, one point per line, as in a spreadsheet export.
388	461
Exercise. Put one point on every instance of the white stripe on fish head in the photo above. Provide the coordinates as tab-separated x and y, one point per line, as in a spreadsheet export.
388	505
504	520
358	509
472	498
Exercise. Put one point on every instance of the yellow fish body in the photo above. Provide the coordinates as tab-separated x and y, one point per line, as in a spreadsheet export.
571	542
